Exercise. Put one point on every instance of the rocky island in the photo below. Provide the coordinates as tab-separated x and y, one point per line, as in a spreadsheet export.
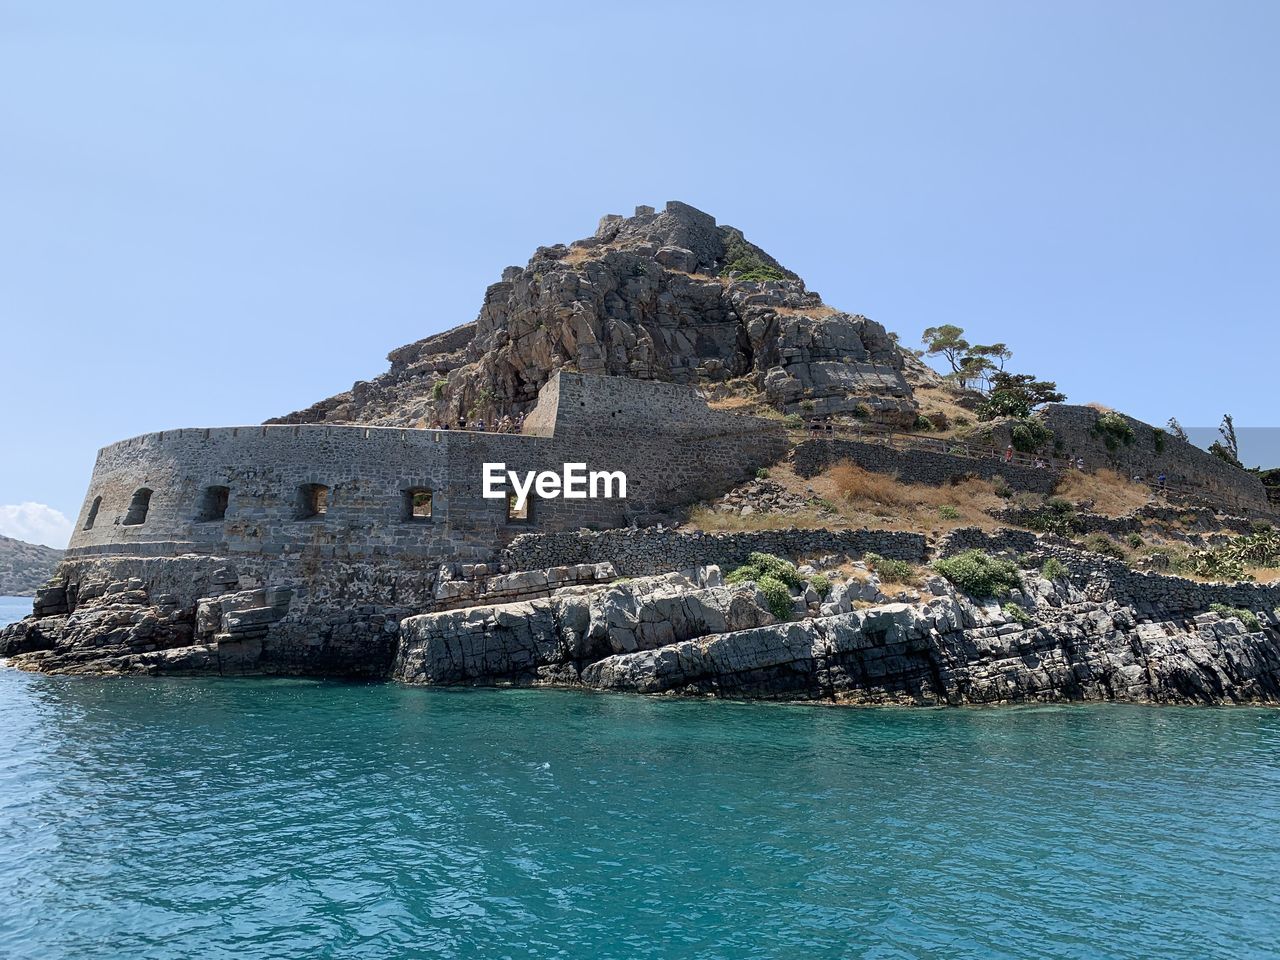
25	566
812	513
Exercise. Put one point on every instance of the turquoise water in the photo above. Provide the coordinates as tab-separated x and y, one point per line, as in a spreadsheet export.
13	608
285	818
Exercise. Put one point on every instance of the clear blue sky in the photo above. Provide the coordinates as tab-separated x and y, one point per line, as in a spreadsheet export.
215	213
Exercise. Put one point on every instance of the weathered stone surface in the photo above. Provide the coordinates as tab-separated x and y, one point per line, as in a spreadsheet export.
658	296
950	651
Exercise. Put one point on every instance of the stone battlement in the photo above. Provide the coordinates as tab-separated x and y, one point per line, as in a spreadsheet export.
314	488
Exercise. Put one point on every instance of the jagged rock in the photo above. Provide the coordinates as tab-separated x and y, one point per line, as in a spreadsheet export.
666	296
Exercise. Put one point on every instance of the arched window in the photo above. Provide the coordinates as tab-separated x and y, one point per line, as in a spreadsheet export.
313	501
138	507
417	504
213	504
93	513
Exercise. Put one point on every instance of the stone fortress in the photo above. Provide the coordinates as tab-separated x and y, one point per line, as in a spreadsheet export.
354	491
352	538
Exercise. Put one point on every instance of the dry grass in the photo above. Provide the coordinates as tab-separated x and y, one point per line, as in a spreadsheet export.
885	495
738	403
935	400
1110	492
849	497
578	255
1265	574
817	312
712	521
1100	407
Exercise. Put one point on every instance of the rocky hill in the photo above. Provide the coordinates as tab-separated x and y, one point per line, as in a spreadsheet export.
25	566
667	296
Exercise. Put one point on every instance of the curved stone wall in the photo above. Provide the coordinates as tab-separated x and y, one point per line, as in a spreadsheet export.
673	449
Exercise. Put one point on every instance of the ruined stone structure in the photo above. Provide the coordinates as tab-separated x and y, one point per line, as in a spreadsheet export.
253	490
353	538
298	548
1146	451
922	466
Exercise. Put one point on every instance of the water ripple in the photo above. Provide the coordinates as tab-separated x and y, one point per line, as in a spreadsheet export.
283	819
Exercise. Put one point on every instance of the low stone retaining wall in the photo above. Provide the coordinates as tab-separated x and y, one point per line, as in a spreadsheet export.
640	552
1150	594
917	466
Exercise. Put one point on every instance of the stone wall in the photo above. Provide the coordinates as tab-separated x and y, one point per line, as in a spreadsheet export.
640	552
917	466
1150	452
673	449
1149	594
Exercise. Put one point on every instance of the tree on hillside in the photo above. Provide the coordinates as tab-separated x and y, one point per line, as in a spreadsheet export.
1175	428
946	341
1228	448
1017	395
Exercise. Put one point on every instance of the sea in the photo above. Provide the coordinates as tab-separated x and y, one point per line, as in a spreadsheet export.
293	818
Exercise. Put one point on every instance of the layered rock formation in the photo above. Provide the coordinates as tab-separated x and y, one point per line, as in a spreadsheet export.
689	634
1102	632
663	296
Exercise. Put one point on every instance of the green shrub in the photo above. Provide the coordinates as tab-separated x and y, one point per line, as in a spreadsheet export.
746	261
1247	617
761	565
777	596
948	512
860	411
1058	517
895	571
1158	438
1101	543
820	584
1213	565
1029	435
1230	561
979	574
1002	488
807	406
1113	429
762	474
1016	613
1053	569
793	421
437	389
923	423
1136	541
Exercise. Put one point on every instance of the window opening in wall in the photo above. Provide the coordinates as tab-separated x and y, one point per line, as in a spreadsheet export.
522	515
417	504
138	507
93	513
213	504
313	501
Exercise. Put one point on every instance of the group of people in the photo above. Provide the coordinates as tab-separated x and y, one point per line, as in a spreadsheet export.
506	424
1040	463
1161	481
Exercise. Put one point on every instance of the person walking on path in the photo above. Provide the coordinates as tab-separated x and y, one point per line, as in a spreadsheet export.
1008	454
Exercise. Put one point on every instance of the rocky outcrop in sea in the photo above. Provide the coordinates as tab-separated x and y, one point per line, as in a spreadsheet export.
1094	633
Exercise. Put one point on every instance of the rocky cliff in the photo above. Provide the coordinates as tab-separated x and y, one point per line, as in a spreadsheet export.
664	296
1096	631
25	566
